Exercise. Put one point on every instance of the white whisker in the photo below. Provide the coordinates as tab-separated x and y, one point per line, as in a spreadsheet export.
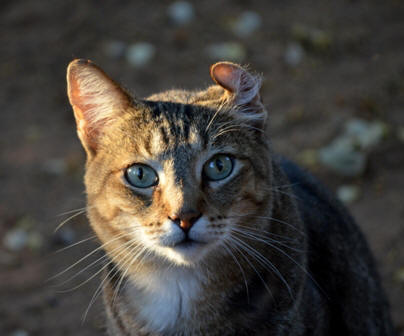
236	245
89	254
93	263
222	104
272	219
70	218
129	250
76	243
228	249
261	238
71	211
264	261
132	261
98	272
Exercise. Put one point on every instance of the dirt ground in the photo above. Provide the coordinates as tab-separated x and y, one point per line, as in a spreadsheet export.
348	63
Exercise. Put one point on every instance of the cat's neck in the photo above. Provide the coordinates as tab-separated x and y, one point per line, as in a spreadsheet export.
159	298
167	296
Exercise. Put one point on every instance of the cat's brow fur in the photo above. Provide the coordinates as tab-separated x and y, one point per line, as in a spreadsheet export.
277	255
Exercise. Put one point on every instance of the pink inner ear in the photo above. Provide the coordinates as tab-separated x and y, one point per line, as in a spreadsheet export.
79	109
226	75
96	100
77	99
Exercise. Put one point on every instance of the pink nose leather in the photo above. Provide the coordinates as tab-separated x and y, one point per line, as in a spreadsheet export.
186	220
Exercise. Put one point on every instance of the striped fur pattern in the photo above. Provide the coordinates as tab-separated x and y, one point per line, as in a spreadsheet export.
242	268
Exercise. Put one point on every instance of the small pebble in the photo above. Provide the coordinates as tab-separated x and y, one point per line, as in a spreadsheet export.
114	49
140	54
181	12
55	167
65	236
365	133
247	23
16	239
19	332
20	238
294	54
231	51
348	193
347	154
342	157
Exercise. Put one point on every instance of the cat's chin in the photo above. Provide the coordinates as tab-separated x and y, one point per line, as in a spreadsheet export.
186	253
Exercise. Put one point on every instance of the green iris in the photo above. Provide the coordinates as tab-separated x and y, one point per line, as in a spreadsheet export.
141	176
218	167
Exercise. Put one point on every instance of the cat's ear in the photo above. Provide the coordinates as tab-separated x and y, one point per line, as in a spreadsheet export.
96	100
242	89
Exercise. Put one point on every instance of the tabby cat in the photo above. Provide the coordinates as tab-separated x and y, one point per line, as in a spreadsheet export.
206	230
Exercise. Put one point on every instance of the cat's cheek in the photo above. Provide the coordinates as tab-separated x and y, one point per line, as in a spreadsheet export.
105	207
207	232
246	203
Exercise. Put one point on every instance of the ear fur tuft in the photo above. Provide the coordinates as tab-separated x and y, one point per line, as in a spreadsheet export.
242	90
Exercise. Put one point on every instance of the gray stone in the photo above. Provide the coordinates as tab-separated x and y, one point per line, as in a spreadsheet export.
19	332
55	167
366	134
140	54
230	51
247	23
347	154
348	193
15	239
181	12
114	49
342	157
294	54
19	238
65	236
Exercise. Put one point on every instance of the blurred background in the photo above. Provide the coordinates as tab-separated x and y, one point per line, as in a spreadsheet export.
334	88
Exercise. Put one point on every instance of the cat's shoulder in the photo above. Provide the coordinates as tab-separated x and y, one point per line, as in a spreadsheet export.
315	201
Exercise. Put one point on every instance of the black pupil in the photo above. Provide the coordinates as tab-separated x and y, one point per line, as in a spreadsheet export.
219	165
140	173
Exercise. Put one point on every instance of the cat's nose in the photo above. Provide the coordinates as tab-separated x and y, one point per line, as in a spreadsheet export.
185	220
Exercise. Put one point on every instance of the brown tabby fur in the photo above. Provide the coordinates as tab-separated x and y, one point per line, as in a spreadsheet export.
253	271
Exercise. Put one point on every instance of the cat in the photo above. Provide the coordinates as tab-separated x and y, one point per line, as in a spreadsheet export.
208	231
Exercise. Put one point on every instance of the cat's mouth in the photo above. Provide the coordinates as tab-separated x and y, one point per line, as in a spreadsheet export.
186	251
184	248
188	243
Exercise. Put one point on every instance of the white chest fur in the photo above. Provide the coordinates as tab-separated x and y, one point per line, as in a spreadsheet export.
163	298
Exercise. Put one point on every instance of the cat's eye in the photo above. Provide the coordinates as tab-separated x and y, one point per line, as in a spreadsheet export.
141	176
218	168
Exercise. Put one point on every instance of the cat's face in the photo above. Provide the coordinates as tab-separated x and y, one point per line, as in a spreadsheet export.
171	177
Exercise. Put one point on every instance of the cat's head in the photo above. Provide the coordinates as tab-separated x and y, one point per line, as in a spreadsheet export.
170	177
